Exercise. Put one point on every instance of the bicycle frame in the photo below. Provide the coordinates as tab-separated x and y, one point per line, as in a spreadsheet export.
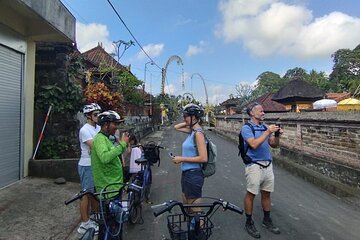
113	212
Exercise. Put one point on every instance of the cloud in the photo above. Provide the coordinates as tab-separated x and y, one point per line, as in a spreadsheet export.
170	89
195	50
271	27
153	50
90	35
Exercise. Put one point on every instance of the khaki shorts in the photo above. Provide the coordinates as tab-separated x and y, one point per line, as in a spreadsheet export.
259	178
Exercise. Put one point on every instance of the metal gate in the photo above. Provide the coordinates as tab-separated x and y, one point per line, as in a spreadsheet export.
11	79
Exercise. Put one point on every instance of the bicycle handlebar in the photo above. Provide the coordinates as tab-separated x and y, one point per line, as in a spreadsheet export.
154	145
167	206
130	187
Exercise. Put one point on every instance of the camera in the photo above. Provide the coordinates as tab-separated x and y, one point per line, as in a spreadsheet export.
277	133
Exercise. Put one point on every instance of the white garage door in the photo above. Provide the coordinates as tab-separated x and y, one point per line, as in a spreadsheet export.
11	75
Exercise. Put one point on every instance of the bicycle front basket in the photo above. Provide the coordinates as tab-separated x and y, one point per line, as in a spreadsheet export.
180	228
151	152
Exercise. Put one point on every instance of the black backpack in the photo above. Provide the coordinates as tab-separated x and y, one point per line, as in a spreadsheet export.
242	151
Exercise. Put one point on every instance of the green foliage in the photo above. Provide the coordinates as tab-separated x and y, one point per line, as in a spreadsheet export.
346	70
268	82
128	87
65	96
52	149
65	99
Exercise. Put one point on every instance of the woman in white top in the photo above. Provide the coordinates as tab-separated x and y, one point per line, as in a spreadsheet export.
135	153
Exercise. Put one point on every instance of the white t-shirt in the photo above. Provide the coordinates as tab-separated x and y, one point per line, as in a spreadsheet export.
87	132
135	154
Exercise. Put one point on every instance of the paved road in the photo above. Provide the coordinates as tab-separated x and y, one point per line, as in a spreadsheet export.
301	210
34	209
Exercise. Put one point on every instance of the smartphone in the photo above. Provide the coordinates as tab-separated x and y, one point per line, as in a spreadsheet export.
171	154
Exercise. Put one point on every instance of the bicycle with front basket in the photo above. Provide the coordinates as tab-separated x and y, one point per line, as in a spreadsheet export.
143	179
113	211
189	225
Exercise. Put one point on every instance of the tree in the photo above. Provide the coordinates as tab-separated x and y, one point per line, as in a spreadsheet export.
319	79
346	70
244	93
294	73
268	82
129	87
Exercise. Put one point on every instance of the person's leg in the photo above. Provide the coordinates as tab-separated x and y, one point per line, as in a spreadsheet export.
266	188
252	175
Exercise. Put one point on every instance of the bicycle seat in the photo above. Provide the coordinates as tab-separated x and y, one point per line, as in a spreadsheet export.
141	161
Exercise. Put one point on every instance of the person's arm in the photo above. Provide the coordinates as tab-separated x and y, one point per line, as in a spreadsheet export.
202	156
182	127
105	155
254	143
274	142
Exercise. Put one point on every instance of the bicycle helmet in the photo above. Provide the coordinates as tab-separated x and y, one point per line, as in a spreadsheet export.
91	107
109	116
193	110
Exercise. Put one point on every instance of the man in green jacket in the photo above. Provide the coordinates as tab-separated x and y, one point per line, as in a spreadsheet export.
105	162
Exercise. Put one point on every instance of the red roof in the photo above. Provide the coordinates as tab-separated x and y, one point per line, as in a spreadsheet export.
268	104
338	96
98	55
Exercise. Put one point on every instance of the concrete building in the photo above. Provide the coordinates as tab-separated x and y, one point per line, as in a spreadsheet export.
22	24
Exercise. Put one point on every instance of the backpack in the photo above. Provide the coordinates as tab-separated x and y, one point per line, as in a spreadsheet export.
209	168
243	151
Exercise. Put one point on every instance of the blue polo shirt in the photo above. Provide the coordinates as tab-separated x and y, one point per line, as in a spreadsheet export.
262	152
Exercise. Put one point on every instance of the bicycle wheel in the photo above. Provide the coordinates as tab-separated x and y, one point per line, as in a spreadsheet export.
147	188
113	231
135	208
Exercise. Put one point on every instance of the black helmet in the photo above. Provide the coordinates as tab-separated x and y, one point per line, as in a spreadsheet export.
193	110
108	116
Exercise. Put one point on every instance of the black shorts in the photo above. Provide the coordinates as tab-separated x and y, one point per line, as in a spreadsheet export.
192	182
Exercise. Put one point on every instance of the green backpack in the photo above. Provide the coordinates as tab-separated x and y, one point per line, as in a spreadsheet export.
209	168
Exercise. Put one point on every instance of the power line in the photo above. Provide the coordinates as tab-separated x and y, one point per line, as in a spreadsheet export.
142	49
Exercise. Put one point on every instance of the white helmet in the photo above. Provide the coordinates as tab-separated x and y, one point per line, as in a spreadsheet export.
91	107
109	116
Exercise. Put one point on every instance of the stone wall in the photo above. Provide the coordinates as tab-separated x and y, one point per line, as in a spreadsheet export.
325	142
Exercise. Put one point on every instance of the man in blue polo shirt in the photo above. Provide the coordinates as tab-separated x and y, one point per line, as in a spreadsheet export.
259	174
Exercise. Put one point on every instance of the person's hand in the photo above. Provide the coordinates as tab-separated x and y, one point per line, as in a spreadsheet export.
125	137
273	128
176	159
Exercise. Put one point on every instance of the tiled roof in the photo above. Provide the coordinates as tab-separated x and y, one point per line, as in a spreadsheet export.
338	96
298	90
98	55
230	101
268	104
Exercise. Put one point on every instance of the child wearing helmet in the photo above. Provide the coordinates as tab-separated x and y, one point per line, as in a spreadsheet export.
86	135
107	167
194	153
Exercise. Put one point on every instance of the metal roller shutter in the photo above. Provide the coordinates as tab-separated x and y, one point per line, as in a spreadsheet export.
11	74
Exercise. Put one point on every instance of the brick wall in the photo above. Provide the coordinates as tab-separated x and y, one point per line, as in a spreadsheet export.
327	142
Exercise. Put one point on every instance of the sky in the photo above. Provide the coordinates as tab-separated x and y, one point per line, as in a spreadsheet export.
223	42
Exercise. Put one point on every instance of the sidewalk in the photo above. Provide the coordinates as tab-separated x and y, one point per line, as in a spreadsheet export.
34	208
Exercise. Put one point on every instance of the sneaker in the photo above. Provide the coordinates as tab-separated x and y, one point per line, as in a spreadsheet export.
86	225
270	226
251	229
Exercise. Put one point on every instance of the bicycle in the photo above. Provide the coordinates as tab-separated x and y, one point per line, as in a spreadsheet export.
192	225
143	178
113	211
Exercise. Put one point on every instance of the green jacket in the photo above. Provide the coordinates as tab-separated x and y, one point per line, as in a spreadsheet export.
105	163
